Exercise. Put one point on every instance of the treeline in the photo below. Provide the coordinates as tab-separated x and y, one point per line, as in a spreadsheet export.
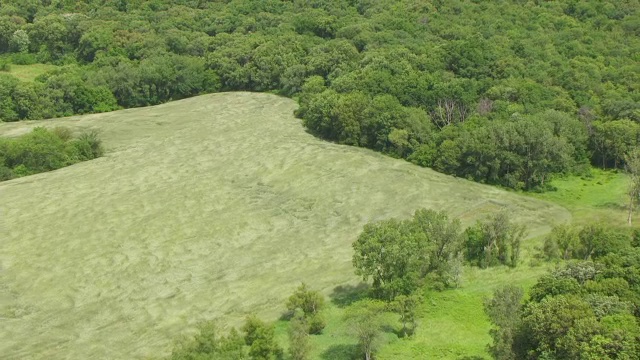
45	150
505	92
584	309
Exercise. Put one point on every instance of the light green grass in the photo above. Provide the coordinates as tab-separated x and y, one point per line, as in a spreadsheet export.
599	197
452	323
30	72
206	208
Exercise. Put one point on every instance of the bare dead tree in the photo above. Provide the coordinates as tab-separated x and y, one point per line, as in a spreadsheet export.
485	106
448	112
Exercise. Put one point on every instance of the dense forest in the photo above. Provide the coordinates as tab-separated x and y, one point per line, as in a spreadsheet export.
501	92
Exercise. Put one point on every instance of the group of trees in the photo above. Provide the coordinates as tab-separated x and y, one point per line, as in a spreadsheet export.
495	241
401	256
504	92
45	150
585	309
429	249
566	242
256	341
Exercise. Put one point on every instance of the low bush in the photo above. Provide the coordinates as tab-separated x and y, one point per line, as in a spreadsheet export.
45	150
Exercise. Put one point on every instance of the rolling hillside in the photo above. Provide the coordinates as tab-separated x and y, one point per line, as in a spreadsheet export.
210	207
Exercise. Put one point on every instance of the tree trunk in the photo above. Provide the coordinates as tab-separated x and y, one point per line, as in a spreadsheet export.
630	210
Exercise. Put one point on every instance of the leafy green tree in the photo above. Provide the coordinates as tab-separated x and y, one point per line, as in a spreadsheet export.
299	346
504	310
260	338
392	255
209	344
99	38
546	323
611	140
594	240
494	241
445	238
19	41
406	306
398	255
365	319
311	303
561	243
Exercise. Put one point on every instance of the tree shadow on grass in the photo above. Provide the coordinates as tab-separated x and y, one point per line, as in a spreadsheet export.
345	295
471	358
340	352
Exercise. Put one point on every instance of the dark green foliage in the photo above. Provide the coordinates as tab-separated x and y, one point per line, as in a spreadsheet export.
581	310
494	241
45	150
260	337
398	255
589	242
497	92
310	303
512	95
365	319
504	311
561	243
209	344
299	346
406	307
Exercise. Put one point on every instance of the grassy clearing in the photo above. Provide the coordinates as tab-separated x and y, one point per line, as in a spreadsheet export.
206	208
452	323
599	197
30	72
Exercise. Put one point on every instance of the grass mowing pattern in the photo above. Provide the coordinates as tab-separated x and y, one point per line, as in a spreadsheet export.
210	207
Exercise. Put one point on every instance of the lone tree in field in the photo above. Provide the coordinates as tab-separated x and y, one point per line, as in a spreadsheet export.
504	311
310	302
365	320
632	165
299	346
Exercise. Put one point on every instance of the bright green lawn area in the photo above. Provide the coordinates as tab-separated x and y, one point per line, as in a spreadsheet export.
30	72
212	208
599	197
452	322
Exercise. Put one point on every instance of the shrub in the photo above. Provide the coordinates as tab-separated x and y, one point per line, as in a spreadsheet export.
90	145
45	150
316	324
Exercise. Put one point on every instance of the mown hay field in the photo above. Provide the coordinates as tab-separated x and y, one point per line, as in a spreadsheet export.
206	208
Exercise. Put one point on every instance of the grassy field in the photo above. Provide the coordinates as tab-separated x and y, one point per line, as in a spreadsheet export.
29	72
600	197
211	208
